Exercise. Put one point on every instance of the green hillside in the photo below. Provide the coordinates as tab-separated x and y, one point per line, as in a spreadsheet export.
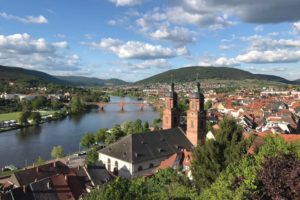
188	74
86	81
18	74
34	77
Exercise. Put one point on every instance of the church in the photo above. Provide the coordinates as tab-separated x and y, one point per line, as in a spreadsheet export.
139	154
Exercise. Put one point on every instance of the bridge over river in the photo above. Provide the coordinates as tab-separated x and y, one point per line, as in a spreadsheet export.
120	104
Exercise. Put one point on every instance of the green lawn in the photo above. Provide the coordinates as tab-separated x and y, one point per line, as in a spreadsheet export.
14	115
9	116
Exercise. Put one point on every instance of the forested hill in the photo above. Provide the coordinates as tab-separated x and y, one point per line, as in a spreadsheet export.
188	74
86	81
34	77
18	74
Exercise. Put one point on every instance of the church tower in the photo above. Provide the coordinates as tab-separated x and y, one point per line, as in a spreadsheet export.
196	118
171	113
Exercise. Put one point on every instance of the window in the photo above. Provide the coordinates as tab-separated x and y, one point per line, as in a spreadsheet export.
151	165
140	168
167	120
116	169
192	123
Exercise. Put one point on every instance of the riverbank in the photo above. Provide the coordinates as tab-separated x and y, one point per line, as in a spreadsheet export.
9	119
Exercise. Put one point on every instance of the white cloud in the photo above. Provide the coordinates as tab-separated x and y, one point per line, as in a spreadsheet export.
178	35
61	45
220	62
28	19
22	50
296	26
126	2
136	49
275	56
257	42
259	28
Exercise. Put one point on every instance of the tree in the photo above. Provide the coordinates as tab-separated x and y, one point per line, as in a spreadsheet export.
76	105
137	126
56	104
23	117
208	105
146	126
91	157
36	117
39	161
26	105
183	105
57	152
114	134
101	135
214	156
39	102
279	178
87	140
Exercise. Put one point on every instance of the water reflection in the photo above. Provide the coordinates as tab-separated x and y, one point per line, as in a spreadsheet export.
28	132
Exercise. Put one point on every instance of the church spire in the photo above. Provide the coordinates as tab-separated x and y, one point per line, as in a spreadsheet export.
171	113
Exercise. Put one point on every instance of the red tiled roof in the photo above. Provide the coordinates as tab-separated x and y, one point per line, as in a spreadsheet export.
61	187
259	139
295	105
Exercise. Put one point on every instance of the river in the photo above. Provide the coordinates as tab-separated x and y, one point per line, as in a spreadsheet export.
25	145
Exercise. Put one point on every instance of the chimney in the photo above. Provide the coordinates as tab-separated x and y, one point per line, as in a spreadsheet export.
66	178
37	169
35	180
54	164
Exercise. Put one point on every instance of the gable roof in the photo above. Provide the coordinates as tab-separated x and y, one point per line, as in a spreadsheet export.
137	148
33	174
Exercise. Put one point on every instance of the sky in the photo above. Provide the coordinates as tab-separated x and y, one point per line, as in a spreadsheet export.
135	39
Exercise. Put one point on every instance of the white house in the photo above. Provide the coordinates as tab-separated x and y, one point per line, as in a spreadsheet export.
138	154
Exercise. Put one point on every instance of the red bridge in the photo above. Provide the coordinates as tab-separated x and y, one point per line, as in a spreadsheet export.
122	104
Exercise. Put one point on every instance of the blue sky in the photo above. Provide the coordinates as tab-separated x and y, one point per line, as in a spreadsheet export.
134	39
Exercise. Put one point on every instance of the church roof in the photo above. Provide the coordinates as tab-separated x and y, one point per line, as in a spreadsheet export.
141	147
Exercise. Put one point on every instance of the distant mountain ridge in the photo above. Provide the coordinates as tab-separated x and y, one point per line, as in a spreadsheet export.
33	76
86	81
189	74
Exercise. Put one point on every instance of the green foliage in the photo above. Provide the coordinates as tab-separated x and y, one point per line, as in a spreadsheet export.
239	180
23	117
26	105
101	135
56	104
39	161
188	74
9	106
91	157
183	104
146	126
77	105
39	102
114	134
36	117
57	152
208	105
87	140
166	184
214	156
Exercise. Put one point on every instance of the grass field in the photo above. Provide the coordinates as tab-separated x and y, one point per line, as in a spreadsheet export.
9	116
15	115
